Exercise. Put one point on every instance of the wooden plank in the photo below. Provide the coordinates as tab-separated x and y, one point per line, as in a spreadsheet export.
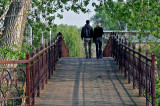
88	82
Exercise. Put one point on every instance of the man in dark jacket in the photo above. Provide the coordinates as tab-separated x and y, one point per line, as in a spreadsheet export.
98	32
87	35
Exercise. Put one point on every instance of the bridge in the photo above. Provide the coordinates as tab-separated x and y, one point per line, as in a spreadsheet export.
50	77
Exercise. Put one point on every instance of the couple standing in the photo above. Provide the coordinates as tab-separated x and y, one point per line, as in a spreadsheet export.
88	34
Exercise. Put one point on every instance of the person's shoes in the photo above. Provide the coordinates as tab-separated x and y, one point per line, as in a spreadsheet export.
90	57
87	57
97	57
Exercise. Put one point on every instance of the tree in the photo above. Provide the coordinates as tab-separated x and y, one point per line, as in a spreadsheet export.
104	17
14	22
16	15
72	39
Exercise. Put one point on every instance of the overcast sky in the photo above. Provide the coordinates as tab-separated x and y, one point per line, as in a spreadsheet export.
71	18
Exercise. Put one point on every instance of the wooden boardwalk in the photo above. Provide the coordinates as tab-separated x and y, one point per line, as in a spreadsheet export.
88	82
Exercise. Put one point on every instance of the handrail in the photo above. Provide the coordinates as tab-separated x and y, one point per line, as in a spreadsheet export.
137	67
31	74
136	52
31	59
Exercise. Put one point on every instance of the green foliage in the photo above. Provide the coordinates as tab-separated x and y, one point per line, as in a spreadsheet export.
105	19
140	15
72	39
3	5
38	28
11	52
49	9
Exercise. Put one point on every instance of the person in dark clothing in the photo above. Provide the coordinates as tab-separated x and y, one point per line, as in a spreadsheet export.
87	35
98	32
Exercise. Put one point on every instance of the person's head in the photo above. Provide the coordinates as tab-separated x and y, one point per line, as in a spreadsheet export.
87	22
98	24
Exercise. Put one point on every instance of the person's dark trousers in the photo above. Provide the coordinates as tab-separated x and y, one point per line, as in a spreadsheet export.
98	42
87	45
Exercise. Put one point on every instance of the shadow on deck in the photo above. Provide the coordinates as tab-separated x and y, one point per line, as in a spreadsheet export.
88	82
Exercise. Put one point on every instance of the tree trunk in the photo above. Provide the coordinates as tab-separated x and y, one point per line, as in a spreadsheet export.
14	23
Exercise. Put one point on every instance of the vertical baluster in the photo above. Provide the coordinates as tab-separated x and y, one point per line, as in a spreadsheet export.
42	69
117	49
57	49
54	54
125	60
122	58
139	70
49	61
153	80
113	47
134	62
38	80
60	46
129	55
28	80
119	54
33	79
46	64
147	83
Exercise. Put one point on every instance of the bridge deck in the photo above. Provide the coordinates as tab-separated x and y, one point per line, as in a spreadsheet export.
88	82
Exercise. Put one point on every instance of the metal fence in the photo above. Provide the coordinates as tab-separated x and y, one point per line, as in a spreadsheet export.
22	80
138	68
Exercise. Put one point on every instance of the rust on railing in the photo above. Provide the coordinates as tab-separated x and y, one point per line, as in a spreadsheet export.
138	68
20	84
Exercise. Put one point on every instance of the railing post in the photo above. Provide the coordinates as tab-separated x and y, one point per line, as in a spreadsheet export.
125	70
134	62
147	83
110	46
38	87
119	54
139	70
52	57
129	81
113	46
42	70
46	62
117	49
122	56
57	56
28	80
54	54
49	61
55	51
33	79
60	46
153	81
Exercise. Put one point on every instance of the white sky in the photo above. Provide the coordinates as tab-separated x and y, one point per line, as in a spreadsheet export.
71	18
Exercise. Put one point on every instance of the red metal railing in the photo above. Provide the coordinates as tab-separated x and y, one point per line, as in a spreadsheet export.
22	80
138	68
